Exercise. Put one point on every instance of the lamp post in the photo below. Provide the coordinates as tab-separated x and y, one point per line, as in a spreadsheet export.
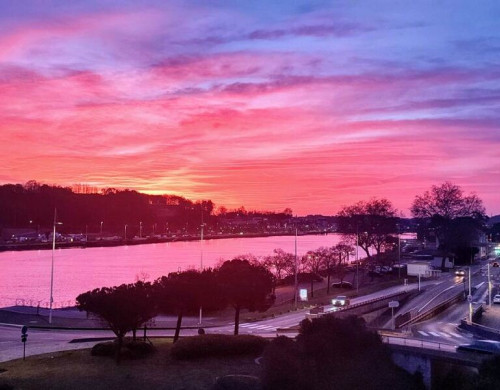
101	227
489	285
52	265
126	232
357	261
296	265
201	260
469	298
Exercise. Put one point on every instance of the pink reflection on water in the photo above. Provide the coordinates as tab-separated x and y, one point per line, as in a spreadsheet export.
26	275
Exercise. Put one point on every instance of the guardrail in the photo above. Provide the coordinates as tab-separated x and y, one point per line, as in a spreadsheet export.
417	343
44	304
411	317
340	309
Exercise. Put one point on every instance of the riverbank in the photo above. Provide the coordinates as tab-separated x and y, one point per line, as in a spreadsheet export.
107	242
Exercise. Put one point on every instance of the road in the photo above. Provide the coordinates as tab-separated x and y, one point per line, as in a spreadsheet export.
440	329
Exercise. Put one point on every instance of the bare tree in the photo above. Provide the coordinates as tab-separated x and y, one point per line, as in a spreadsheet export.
455	218
370	224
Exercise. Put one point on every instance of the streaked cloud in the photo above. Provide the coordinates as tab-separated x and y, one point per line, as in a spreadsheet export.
309	105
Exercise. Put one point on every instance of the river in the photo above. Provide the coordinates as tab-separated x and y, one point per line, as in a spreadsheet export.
25	275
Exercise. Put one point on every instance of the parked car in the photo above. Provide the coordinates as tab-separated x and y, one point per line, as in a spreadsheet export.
343	284
490	347
459	272
496	298
341	300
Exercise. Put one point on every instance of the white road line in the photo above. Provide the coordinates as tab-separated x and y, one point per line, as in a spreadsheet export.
446	334
457	335
435	334
262	327
423	333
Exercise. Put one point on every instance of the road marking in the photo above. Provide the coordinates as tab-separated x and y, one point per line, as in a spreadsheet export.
446	334
423	333
457	335
435	334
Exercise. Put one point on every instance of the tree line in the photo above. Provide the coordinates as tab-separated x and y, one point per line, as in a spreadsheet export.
32	206
236	283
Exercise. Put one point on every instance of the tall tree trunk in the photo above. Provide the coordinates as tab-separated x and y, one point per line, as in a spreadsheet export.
119	348
328	285
312	286
134	332
236	319
178	326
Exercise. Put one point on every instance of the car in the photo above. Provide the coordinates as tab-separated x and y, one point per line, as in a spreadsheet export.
341	300
490	347
459	272
496	298
343	284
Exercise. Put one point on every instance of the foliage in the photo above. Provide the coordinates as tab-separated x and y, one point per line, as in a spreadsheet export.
370	224
282	368
245	286
134	349
208	345
124	308
331	353
280	264
185	292
453	217
107	348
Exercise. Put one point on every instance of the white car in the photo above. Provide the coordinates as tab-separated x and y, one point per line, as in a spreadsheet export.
496	298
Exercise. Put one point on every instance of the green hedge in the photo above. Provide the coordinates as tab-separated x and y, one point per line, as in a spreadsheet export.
217	345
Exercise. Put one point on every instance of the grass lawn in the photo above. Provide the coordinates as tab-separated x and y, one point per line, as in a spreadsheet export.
77	370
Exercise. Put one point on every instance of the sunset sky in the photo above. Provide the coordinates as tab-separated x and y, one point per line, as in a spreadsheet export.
268	104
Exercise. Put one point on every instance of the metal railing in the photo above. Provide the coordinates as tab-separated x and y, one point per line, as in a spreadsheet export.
44	304
417	343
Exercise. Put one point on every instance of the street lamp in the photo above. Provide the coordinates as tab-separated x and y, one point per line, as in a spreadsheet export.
201	260
101	227
126	232
296	269
52	265
357	261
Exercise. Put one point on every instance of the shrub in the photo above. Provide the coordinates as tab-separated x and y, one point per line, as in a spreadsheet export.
217	345
237	382
131	349
139	349
103	349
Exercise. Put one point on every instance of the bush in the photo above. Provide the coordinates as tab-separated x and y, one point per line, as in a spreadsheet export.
131	349
138	349
103	349
217	345
237	382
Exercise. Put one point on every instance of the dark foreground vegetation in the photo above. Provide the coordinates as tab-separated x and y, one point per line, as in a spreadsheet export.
328	354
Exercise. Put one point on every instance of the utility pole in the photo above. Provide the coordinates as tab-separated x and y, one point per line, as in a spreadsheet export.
201	256
296	264
489	285
469	298
357	260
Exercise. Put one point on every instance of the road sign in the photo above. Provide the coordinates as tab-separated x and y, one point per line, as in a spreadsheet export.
469	298
24	338
393	304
